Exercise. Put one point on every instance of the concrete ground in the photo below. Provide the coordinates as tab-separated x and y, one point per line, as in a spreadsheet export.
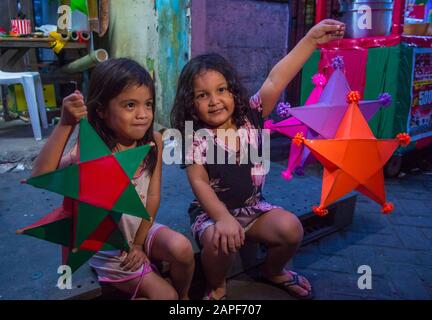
397	247
17	145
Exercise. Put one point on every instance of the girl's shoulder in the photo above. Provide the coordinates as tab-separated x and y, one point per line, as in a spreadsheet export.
157	135
196	152
158	140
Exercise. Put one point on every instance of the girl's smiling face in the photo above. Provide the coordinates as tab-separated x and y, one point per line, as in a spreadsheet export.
213	101
130	114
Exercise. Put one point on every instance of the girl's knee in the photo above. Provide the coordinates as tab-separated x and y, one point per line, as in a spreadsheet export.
209	247
181	250
166	293
290	229
170	294
206	242
211	250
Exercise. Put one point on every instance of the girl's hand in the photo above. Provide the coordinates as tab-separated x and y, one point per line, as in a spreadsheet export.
73	109
325	31
134	259
229	234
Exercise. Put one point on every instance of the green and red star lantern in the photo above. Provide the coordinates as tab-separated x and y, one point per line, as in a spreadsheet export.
97	190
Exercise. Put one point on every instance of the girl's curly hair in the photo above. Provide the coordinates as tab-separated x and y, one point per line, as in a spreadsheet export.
183	108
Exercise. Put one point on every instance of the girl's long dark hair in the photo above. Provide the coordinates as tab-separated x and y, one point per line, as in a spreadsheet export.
107	81
184	109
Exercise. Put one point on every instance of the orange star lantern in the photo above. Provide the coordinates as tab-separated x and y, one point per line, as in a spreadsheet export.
354	159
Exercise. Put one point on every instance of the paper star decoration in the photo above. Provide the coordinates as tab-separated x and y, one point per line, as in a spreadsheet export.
291	126
354	159
322	114
97	190
325	116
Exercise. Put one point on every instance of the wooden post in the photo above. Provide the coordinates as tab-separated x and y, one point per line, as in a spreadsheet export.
103	17
93	15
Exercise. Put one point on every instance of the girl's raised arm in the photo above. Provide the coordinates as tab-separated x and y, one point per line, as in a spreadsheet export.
287	68
73	110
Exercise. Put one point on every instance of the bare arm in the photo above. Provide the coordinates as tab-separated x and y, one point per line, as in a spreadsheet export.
137	256
153	195
51	153
228	232
199	181
287	68
73	110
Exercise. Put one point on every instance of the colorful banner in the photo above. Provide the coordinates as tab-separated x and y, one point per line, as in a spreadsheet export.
416	9
420	117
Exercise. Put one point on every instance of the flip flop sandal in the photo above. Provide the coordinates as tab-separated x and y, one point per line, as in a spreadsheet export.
285	286
209	296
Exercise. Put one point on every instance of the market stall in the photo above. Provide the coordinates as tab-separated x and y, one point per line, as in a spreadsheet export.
388	49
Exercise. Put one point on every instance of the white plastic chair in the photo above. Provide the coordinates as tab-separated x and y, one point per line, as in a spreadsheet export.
32	85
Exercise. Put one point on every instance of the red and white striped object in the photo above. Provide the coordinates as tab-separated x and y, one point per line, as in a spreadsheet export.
21	26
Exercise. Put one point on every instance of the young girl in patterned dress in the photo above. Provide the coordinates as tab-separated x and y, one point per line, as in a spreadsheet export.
229	205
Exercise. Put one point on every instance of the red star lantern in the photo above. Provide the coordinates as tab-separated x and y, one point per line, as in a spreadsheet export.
354	159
